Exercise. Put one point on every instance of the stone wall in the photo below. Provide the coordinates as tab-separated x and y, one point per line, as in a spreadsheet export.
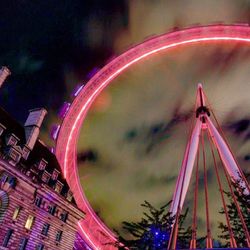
24	195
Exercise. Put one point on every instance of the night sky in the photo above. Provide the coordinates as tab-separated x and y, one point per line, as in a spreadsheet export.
50	46
132	143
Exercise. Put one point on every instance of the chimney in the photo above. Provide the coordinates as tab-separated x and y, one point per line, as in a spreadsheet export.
32	126
4	73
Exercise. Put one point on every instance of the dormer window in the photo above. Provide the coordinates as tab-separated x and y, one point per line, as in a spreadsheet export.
12	140
58	187
2	128
25	152
46	176
15	155
69	196
55	174
42	164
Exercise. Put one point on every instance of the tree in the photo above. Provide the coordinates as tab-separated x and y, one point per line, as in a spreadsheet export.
243	199
152	232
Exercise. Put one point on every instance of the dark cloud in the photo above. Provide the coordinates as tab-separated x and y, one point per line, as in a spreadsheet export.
87	155
149	137
223	59
240	126
247	158
153	181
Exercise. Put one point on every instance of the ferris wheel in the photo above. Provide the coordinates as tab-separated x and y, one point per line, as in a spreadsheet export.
92	229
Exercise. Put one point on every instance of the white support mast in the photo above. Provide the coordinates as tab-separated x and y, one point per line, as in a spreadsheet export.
203	121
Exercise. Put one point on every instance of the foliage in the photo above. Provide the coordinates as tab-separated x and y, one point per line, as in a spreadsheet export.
152	232
243	199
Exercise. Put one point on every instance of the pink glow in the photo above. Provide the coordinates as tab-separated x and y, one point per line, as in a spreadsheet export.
67	138
87	236
98	90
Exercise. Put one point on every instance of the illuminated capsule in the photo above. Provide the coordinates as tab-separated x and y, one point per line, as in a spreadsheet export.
64	109
52	150
54	131
77	90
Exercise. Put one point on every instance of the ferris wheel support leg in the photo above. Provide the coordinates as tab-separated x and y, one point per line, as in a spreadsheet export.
183	181
186	169
226	156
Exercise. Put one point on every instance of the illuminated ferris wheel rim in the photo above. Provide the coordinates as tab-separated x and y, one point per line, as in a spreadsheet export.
69	130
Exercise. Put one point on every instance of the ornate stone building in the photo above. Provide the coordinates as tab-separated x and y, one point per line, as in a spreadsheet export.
37	208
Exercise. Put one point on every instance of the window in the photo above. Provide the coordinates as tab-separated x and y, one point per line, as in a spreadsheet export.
14	155
45	229
59	235
58	187
16	213
40	246
38	201
4	178
46	176
12	181
64	216
52	209
12	140
42	164
23	244
69	196
25	152
7	237
29	222
55	174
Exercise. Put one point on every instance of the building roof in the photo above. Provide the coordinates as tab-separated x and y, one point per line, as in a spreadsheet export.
39	152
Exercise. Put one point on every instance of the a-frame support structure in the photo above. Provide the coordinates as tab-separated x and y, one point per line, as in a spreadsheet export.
203	124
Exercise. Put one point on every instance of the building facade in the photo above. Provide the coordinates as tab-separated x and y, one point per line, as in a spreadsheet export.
37	208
